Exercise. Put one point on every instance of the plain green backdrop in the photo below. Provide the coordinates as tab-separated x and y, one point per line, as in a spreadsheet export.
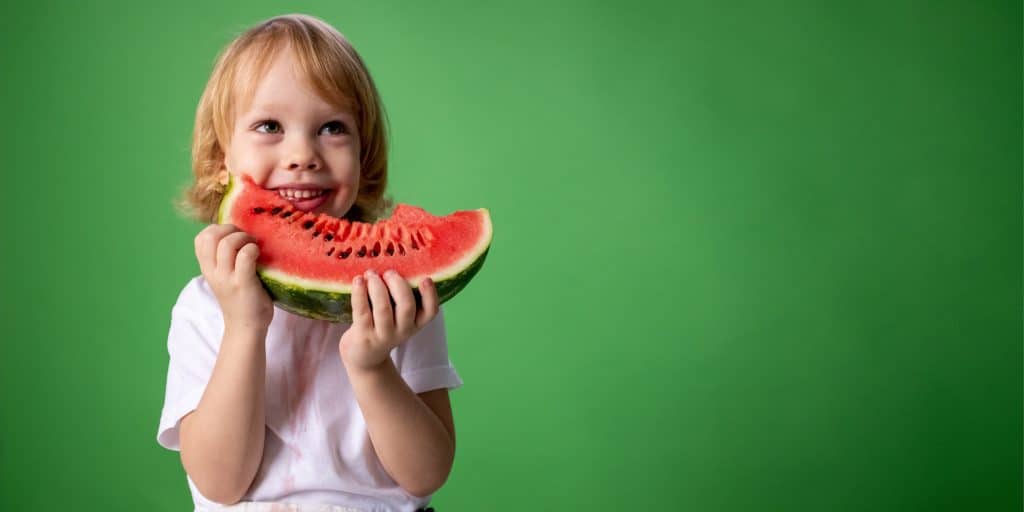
748	255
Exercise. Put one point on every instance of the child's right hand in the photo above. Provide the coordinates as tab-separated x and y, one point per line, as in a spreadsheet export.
227	258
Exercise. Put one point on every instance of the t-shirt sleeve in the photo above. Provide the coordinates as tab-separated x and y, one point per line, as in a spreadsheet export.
192	344
423	360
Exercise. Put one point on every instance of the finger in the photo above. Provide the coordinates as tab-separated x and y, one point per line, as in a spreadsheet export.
405	303
380	302
227	250
245	262
428	294
361	304
206	246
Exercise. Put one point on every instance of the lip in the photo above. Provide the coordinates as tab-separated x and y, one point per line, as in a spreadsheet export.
302	186
311	204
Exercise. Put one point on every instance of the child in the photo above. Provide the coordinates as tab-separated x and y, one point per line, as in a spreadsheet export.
270	410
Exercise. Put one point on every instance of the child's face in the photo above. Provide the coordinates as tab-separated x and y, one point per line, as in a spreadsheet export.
291	140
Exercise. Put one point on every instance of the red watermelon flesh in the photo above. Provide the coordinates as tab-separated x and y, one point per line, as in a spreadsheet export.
308	260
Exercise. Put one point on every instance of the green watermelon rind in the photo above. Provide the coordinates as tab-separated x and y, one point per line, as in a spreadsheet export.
337	306
311	299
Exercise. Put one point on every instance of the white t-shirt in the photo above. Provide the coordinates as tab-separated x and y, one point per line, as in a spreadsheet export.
316	449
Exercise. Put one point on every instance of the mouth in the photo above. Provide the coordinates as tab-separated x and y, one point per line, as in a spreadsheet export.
305	199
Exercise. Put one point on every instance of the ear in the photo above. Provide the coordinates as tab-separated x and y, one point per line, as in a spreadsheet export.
222	177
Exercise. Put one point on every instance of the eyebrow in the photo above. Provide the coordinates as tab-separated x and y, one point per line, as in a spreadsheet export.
272	108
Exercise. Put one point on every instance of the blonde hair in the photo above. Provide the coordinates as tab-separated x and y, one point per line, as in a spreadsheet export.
330	65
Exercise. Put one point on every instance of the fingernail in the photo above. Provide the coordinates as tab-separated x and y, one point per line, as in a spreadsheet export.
369	274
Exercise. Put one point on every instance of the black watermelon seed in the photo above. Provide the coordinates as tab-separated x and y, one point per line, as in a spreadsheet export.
328	237
258	210
285	215
330	251
376	249
401	249
275	211
414	246
308	224
344	254
390	251
316	234
362	252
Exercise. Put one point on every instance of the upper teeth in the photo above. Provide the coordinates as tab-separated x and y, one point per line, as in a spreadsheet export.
295	193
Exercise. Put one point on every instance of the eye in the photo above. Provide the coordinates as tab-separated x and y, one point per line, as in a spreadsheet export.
334	128
268	126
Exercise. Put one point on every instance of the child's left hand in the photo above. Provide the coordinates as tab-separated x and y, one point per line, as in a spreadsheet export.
373	334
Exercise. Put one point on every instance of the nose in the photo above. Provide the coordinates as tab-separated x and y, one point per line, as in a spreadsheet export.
303	156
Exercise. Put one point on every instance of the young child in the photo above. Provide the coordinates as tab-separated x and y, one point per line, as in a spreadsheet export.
270	410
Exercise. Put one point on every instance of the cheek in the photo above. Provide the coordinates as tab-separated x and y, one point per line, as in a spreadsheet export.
347	194
346	165
347	174
248	160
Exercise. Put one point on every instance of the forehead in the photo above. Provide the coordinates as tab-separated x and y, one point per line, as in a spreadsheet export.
270	80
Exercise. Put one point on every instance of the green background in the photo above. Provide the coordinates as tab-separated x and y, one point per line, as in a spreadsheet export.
748	256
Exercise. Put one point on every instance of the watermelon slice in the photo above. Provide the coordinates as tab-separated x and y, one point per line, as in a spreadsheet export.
307	261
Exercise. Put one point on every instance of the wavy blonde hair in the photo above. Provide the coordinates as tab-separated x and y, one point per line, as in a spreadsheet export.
329	63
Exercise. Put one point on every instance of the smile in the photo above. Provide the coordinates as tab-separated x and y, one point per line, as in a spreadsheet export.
305	199
292	194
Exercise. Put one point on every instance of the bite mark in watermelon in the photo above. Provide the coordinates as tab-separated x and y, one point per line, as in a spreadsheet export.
307	261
